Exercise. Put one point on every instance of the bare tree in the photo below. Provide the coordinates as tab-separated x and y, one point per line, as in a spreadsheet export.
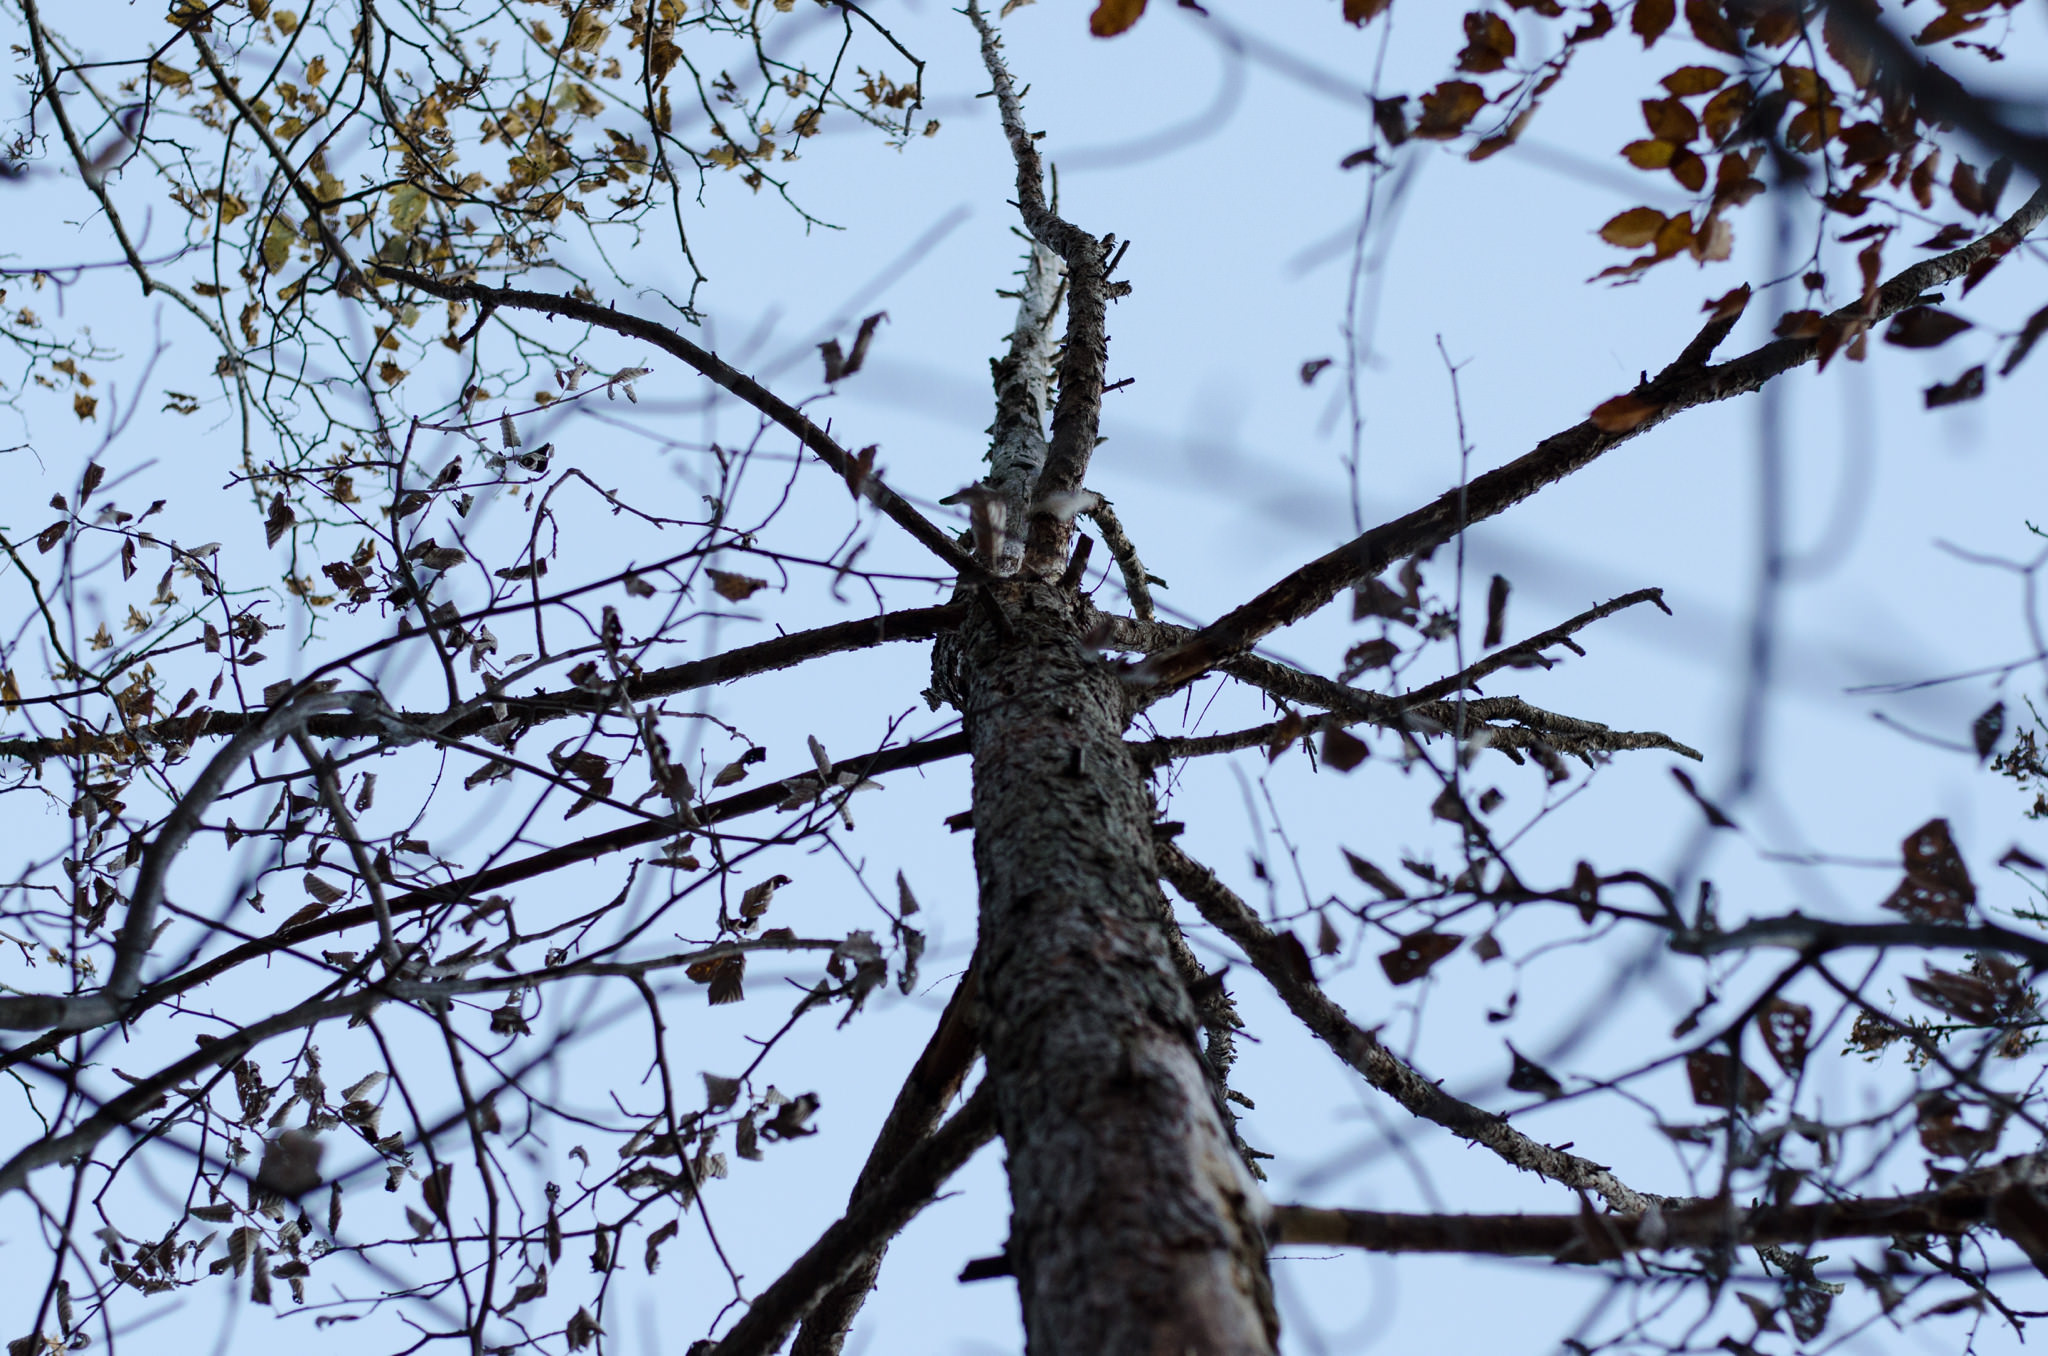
420	227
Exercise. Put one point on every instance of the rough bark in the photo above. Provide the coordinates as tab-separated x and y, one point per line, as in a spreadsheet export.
1135	1227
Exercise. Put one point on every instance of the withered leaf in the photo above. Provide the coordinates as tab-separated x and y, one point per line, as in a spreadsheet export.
1417	953
2020	1215
435	1188
652	1258
1711	26
1924	327
1526	1075
1786	1026
1968	386
1447	108
280	518
1625	412
1690	80
1342	749
1799	324
1496	611
1717	1077
1651	18
1368	654
1986	728
1489	42
1964	997
1112	17
1373	876
724	974
735	588
2030	334
720	1092
1670	120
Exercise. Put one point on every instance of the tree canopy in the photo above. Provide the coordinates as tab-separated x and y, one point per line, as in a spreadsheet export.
447	693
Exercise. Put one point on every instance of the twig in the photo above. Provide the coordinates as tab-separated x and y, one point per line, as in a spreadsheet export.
1817	935
79	1012
345	825
1137	584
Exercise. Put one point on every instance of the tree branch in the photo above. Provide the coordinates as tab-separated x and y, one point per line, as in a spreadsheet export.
876	1217
2002	1197
1286	968
920	623
110	1003
1683	385
1077	417
722	374
1814	936
482	882
934	1081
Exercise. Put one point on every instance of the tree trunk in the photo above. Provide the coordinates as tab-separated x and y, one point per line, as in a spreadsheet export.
1135	1227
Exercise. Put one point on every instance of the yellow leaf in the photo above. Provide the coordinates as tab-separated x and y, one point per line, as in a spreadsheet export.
316	71
1633	229
1112	17
232	206
83	405
286	21
278	239
408	206
1649	155
586	30
1688	80
169	76
10	691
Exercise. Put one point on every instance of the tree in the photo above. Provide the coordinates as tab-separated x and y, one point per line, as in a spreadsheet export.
355	178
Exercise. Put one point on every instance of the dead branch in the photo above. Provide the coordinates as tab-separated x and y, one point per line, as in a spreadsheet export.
1023	381
1286	968
1526	652
1077	417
